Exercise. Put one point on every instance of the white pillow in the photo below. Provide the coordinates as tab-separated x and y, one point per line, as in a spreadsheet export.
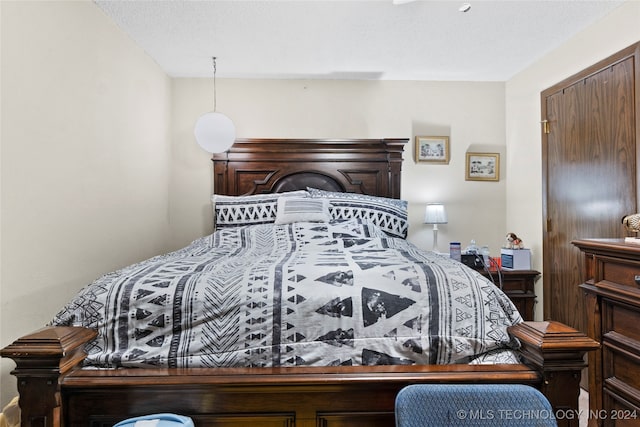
302	209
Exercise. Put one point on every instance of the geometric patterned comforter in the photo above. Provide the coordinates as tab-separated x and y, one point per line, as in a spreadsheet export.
339	293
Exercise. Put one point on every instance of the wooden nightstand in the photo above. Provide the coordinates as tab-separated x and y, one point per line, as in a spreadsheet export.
519	287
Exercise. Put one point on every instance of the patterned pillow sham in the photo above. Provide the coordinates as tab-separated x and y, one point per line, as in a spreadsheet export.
388	214
234	211
302	209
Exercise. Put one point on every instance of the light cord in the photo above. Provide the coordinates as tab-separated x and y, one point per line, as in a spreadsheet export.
214	84
487	268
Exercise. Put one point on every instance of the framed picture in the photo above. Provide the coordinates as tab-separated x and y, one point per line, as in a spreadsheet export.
483	167
432	149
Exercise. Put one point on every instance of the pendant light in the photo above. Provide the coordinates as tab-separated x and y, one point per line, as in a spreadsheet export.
214	131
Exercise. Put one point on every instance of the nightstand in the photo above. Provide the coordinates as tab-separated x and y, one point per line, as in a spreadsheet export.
519	287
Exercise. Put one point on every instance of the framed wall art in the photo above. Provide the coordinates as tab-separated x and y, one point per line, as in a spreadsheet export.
432	149
483	167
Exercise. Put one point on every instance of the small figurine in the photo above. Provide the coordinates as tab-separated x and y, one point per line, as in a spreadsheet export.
631	223
513	242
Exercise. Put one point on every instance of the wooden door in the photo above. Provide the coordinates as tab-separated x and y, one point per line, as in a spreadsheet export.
589	172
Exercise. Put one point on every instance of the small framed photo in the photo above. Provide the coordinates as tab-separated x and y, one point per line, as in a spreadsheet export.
432	149
483	167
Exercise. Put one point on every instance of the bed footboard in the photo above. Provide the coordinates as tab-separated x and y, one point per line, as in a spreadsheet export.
55	392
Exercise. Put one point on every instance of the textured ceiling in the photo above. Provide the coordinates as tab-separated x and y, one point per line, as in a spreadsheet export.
339	39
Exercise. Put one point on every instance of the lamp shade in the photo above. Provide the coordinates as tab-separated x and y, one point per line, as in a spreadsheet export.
435	214
215	132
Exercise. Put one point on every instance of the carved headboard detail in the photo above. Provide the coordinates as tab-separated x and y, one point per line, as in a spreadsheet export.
256	166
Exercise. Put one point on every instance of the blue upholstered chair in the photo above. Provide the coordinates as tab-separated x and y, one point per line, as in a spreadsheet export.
492	405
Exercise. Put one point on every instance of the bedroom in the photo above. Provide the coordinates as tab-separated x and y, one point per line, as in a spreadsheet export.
87	114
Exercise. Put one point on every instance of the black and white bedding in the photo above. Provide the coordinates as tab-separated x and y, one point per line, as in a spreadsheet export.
339	292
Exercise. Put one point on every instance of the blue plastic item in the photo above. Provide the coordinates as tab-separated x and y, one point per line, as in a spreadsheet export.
157	420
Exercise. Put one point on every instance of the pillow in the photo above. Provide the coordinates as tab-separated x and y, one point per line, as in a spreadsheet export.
302	209
388	214
233	211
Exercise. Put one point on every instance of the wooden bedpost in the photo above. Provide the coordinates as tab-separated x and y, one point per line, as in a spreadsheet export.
558	351
41	359
394	148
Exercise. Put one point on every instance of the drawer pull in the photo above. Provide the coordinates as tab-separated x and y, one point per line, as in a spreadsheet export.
637	279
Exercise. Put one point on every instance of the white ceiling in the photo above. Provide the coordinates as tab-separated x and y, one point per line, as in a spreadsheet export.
341	39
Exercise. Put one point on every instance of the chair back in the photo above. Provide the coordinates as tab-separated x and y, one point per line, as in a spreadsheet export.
460	405
157	420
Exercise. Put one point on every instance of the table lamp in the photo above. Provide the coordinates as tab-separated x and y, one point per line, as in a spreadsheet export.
435	214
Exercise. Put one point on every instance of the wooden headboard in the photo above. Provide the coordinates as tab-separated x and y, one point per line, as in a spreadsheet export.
257	166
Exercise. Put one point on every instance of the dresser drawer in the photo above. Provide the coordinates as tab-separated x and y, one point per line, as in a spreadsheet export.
516	284
622	319
622	413
623	366
621	272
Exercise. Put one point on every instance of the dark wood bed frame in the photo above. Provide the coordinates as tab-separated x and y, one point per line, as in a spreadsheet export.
56	391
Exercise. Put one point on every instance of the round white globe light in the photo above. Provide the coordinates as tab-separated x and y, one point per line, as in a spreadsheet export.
215	132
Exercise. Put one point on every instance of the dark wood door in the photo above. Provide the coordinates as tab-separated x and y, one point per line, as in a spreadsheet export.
589	173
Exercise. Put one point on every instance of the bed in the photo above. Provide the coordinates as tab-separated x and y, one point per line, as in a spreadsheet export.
325	317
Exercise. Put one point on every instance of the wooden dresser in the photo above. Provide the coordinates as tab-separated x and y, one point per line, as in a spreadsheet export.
519	287
612	302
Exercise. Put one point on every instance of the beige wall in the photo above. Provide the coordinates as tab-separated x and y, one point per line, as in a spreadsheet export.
524	144
85	159
472	114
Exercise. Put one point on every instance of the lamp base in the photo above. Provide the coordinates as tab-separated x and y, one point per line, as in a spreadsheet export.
435	238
